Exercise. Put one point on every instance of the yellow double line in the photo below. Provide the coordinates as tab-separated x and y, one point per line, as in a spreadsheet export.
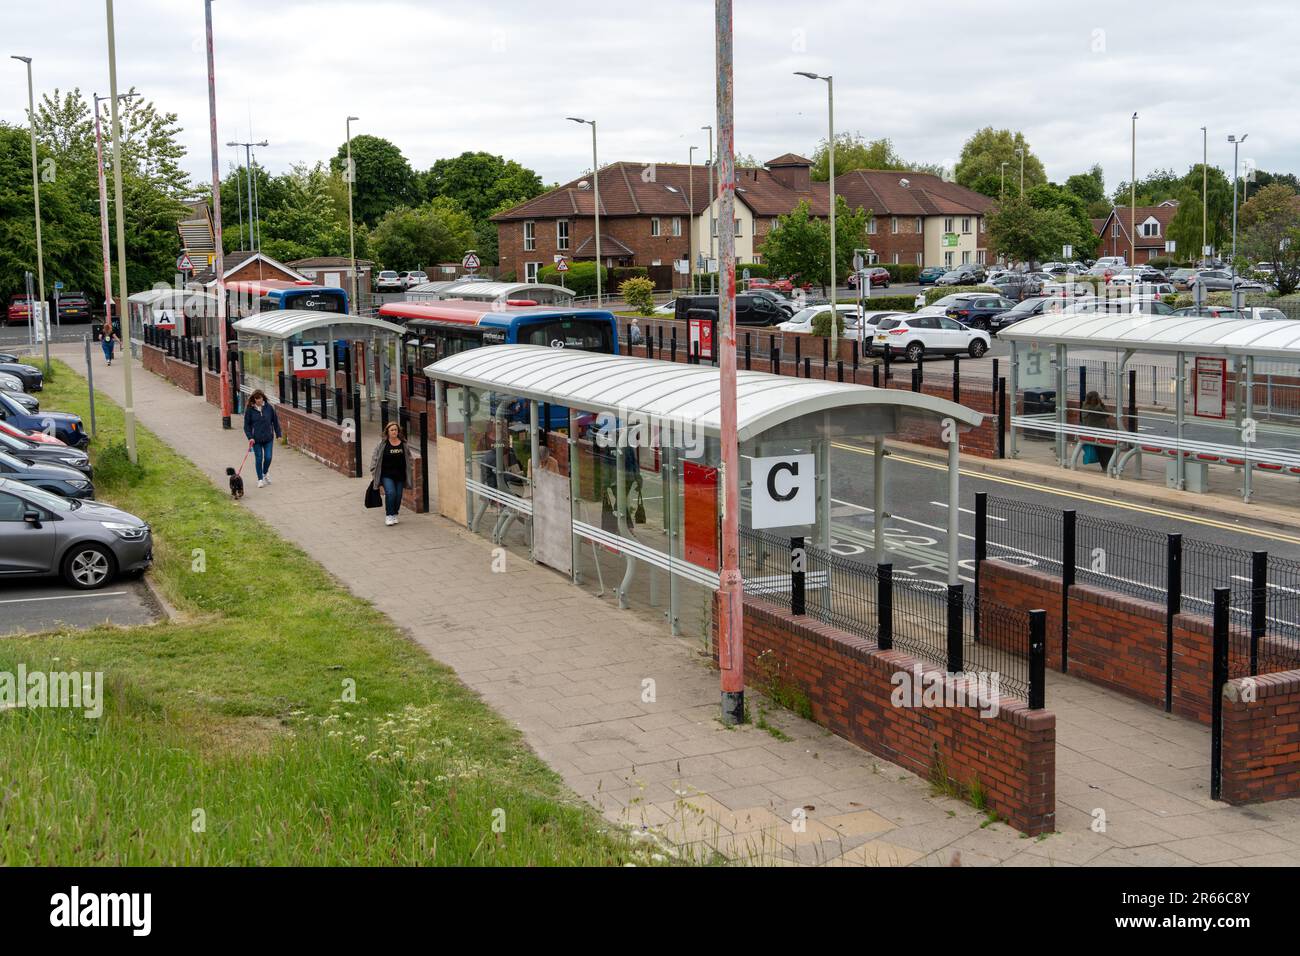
1080	496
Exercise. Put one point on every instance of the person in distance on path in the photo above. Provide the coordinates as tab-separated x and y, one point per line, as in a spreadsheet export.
390	467
261	428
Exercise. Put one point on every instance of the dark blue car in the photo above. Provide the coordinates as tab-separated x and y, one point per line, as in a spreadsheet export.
65	427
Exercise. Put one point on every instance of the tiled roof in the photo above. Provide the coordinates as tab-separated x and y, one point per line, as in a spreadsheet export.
626	189
882	191
789	159
609	246
321	262
1164	214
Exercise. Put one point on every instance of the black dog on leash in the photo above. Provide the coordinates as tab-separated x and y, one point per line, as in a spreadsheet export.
236	484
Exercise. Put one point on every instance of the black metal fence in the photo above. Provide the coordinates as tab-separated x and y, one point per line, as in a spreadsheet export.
944	626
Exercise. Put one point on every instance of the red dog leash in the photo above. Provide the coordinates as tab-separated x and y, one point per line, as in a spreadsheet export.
240	469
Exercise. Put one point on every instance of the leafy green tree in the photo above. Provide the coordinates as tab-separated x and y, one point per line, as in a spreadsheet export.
581	278
639	294
747	161
799	245
1091	188
406	237
1270	224
482	184
979	166
306	222
383	179
1024	232
1152	189
1070	217
852	152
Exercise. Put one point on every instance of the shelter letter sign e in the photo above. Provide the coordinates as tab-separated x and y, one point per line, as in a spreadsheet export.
309	361
783	491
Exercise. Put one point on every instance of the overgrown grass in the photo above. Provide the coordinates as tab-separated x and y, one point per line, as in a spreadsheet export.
232	736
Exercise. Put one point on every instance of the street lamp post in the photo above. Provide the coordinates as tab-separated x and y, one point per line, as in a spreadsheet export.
1002	190
710	164
103	214
218	239
830	147
690	218
248	185
1020	151
1132	208
352	239
1236	145
36	198
1205	190
595	176
128	392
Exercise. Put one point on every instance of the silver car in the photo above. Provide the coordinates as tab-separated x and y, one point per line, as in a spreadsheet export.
86	542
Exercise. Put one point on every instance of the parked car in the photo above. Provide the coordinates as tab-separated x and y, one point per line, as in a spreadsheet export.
10	383
86	542
879	277
978	312
33	379
37	436
1265	313
66	427
804	318
409	279
37	453
784	284
56	479
780	301
1016	287
74	307
751	308
30	403
1180	278
1209	312
942	305
1066	290
916	336
1220	280
962	275
1126	305
8	357
1026	309
388	281
930	275
867	331
19	309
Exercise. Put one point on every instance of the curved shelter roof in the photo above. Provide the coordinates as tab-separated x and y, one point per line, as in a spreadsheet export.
286	323
624	384
1259	337
479	291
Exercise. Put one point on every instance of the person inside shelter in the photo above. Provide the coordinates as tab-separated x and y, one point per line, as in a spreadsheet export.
1093	414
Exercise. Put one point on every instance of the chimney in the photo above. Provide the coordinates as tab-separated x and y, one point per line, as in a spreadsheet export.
793	172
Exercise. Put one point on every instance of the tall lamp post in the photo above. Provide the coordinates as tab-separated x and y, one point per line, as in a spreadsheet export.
352	238
710	164
731	647
1132	199
1205	190
128	391
36	197
248	184
103	214
1002	190
1236	145
1020	151
595	176
690	218
830	147
218	239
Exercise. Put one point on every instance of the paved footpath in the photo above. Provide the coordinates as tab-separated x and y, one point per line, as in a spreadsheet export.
567	668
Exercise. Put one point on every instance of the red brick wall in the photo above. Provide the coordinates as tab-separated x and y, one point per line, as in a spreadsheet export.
1193	666
1261	739
632	231
848	682
1118	642
1011	586
181	374
212	388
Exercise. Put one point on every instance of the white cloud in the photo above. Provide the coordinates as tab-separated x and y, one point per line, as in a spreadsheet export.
502	75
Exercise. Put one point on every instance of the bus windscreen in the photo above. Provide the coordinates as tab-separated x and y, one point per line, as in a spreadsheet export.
586	335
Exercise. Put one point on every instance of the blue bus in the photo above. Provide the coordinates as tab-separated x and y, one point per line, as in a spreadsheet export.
247	296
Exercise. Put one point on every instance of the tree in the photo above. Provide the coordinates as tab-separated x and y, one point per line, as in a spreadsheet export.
853	152
482	184
1270	224
1152	189
1069	221
799	245
1091	188
1024	232
980	164
747	161
383	179
406	237
1185	229
639	293
306	222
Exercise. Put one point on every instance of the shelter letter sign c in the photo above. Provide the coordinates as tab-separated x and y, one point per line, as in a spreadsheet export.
784	491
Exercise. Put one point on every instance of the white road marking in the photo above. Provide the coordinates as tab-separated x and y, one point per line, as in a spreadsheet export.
65	597
967	511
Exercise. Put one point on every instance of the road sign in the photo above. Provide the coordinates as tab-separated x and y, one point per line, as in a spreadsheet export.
561	264
470	262
783	491
858	262
1171	246
58	286
183	263
1067	252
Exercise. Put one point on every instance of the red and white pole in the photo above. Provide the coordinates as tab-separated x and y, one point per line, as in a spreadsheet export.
731	647
218	258
103	223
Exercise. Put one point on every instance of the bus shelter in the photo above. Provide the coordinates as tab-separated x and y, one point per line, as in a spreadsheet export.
280	351
1197	393
533	293
180	311
637	470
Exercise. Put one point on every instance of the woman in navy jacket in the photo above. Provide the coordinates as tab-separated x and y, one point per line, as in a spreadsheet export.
261	428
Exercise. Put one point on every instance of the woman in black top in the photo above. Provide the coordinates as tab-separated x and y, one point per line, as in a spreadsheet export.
390	467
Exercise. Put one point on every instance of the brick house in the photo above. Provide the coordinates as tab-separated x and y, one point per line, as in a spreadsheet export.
1152	226
655	214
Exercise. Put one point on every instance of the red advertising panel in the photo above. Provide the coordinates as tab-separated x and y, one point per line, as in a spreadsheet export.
700	515
701	334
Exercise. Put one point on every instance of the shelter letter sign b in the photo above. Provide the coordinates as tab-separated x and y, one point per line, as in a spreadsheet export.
309	361
783	490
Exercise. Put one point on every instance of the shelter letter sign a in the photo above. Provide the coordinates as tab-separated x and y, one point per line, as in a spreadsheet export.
783	491
309	360
1209	398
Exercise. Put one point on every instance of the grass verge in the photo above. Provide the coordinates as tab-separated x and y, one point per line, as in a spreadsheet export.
282	721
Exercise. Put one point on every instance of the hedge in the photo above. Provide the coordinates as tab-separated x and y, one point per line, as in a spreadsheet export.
581	277
902	272
882	303
757	270
935	294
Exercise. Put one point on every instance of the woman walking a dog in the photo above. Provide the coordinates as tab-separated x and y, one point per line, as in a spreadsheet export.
261	428
391	468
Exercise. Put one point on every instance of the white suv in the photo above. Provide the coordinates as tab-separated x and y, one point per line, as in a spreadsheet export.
388	281
916	336
412	278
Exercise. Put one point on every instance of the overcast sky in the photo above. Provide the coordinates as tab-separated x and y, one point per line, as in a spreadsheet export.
439	78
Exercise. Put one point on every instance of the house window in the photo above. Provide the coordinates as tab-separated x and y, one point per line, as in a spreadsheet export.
1151	228
654	225
965	225
757	260
530	271
920	225
871	226
919	259
979	257
561	234
737	227
530	236
677	225
965	258
947	258
895	258
1114	230
981	225
774	222
947	224
893	225
713	225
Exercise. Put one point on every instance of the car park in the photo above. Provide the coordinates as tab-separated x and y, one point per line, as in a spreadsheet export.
37	436
33	379
916	336
39	453
930	275
87	543
803	319
56	479
978	312
388	281
66	427
1025	309
1015	286
962	275
879	276
941	306
408	279
1125	305
1180	278
74	307
783	284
